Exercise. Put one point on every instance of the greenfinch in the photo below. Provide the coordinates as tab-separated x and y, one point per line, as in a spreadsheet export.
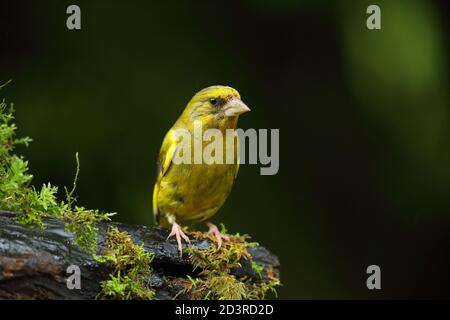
192	192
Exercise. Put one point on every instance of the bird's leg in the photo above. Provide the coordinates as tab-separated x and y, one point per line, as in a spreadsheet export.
215	231
178	233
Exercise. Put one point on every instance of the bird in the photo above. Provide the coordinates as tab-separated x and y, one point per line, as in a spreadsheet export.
188	192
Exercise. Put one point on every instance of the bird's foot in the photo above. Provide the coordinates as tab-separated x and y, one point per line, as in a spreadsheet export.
219	236
178	233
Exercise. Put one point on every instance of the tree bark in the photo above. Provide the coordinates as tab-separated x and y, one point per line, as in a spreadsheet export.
34	261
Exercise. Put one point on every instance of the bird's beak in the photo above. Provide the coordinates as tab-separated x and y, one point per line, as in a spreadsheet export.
235	107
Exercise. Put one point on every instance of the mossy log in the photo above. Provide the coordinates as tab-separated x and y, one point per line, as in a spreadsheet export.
34	261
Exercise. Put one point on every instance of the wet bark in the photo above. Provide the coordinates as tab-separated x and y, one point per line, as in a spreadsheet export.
34	262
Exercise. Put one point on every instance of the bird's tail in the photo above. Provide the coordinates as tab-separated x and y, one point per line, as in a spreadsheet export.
156	215
159	217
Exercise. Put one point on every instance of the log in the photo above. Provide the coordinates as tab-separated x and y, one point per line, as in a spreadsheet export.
34	261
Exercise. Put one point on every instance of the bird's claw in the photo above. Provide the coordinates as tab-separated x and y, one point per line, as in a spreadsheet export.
178	233
219	236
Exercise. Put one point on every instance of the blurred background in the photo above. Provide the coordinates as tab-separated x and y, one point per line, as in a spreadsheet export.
363	116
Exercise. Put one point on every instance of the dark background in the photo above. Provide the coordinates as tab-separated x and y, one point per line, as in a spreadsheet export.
363	116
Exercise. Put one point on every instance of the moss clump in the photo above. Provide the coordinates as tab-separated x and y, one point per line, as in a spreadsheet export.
216	281
16	193
83	224
131	277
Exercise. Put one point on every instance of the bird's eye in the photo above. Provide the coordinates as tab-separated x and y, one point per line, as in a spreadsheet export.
213	101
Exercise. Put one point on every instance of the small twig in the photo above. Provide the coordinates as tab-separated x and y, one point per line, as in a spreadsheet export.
5	84
69	195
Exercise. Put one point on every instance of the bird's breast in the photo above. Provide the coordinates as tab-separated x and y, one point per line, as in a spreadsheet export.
195	191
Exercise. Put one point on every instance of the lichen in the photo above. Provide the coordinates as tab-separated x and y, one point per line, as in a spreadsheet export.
131	264
216	280
34	205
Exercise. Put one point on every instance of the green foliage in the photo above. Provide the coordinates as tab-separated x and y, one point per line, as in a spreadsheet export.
215	286
131	278
34	205
216	280
83	224
257	268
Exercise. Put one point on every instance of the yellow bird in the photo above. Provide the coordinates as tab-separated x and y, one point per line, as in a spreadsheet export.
187	192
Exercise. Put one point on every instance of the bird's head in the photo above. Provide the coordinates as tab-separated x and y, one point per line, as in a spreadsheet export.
215	104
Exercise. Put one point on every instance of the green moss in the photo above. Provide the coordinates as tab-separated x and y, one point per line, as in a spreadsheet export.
16	193
83	224
131	276
216	280
257	268
131	264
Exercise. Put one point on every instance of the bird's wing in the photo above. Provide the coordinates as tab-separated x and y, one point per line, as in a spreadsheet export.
168	148
238	159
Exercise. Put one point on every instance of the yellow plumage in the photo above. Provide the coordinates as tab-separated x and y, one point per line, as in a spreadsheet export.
185	193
